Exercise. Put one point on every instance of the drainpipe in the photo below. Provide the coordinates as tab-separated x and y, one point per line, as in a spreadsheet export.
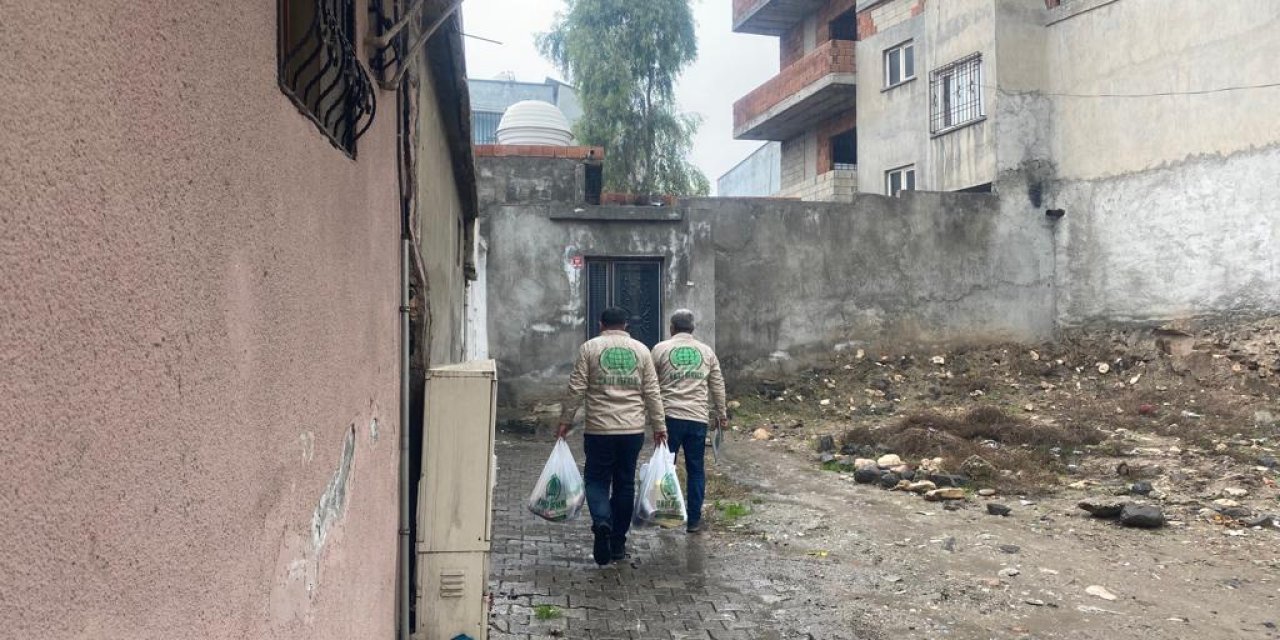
403	591
405	558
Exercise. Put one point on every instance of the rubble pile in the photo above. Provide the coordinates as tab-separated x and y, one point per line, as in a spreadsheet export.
1153	427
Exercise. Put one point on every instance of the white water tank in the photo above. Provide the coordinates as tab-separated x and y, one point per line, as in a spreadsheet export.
534	122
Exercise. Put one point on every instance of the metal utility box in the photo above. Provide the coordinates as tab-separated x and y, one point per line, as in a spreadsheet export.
455	503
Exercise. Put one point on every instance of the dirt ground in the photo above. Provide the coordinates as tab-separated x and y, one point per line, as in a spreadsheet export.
1189	410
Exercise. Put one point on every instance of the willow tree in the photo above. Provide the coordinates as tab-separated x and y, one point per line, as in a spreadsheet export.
624	56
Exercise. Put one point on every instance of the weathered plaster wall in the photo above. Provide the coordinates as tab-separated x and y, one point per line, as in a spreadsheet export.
1193	238
1172	204
1156	46
537	297
445	232
529	180
793	280
775	283
198	380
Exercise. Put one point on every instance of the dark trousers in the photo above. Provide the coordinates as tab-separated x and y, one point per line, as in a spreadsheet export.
611	462
692	436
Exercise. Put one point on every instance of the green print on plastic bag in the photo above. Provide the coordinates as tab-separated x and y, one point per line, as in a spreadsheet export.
553	501
670	500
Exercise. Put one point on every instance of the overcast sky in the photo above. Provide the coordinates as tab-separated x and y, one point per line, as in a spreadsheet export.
729	65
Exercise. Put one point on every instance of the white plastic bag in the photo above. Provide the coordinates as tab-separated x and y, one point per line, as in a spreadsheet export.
559	494
659	500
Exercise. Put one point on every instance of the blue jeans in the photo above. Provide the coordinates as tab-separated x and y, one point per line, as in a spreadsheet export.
611	460
693	437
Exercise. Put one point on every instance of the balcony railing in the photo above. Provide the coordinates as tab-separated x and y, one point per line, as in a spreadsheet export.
815	87
771	17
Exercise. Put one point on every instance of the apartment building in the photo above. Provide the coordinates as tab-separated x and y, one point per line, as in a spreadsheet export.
809	106
1145	129
943	95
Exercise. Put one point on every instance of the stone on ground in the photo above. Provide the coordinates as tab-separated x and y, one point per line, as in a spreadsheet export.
1143	516
1102	508
949	493
997	509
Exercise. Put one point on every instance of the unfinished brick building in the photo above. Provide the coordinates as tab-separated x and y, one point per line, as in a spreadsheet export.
809	106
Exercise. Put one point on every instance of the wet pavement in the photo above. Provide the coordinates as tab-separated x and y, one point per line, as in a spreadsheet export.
673	586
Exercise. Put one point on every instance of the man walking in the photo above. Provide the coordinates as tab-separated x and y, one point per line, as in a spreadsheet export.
615	375
687	371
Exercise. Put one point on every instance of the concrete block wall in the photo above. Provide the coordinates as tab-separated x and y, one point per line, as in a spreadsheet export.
794	152
838	185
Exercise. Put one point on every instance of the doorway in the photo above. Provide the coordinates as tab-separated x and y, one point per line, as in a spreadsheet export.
635	284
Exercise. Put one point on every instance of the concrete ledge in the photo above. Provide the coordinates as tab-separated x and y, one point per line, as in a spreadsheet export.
619	214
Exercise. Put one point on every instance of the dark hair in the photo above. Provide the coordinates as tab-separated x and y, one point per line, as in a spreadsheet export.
614	317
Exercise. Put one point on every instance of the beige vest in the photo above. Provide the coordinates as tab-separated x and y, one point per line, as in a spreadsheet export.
688	372
614	374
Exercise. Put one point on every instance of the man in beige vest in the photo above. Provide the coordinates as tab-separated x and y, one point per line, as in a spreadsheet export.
614	374
693	395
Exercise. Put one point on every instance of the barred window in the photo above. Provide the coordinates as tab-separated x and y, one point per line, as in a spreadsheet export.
956	94
318	68
484	126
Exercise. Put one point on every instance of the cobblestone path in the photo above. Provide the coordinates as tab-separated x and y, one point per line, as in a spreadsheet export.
673	586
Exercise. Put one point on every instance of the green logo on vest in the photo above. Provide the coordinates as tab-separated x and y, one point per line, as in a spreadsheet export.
686	358
619	361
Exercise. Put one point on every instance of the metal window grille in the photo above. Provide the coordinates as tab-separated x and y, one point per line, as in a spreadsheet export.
956	94
319	70
484	126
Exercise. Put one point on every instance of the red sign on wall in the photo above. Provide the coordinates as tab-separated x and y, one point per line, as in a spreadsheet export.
576	262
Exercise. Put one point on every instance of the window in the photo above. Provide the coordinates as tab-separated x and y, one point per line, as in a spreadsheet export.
899	64
484	126
317	68
844	27
844	150
956	94
901	179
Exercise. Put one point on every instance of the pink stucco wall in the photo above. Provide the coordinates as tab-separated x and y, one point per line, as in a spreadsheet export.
197	302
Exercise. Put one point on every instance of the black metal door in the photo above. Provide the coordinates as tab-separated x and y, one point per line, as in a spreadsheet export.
634	285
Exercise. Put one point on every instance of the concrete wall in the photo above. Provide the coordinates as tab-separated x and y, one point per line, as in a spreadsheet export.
837	185
793	280
199	379
529	180
537	297
1172	204
759	174
775	283
445	231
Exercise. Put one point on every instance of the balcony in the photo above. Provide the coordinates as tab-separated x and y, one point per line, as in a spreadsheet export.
771	17
814	88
